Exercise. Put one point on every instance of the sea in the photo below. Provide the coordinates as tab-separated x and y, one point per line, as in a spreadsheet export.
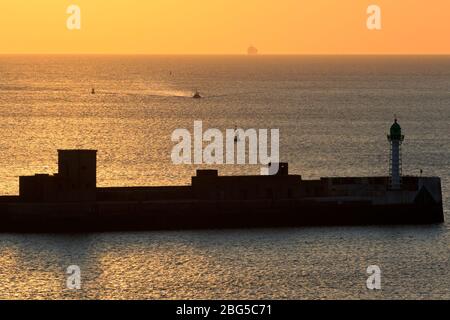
333	114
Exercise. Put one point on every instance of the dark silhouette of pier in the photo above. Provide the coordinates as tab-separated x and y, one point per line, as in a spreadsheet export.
70	201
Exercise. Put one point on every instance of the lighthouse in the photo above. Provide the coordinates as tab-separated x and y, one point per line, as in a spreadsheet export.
395	139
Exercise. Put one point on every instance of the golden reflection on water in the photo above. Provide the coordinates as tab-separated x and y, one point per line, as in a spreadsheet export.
318	263
167	274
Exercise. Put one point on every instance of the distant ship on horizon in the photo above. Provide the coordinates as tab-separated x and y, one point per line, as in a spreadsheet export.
252	51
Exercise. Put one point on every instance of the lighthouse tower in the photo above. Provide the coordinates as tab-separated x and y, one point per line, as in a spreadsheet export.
395	160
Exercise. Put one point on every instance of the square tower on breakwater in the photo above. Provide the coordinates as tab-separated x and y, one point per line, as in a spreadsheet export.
76	179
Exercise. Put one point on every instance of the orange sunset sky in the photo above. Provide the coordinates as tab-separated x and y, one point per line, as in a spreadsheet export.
225	27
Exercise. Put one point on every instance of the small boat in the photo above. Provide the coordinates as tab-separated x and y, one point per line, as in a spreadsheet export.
93	91
197	95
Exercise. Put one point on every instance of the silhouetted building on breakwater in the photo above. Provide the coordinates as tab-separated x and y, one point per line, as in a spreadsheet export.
71	201
75	180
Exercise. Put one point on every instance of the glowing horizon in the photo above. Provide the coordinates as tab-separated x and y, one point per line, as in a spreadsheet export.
224	27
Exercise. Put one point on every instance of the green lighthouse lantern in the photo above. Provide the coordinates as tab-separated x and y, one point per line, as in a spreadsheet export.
396	131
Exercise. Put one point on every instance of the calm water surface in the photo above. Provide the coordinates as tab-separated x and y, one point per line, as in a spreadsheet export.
333	114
